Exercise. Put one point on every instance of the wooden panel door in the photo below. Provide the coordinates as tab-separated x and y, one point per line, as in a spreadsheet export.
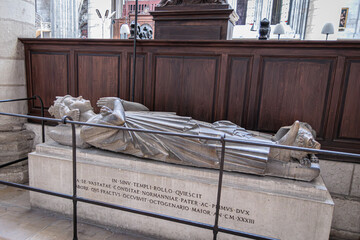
98	76
294	89
186	85
49	76
237	89
349	117
139	77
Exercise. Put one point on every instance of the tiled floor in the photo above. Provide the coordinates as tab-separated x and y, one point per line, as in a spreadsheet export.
19	222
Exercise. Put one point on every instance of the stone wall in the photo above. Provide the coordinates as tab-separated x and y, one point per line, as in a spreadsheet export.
352	29
343	182
43	9
17	19
64	17
319	13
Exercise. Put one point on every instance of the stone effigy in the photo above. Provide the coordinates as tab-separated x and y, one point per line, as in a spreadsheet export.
186	151
265	29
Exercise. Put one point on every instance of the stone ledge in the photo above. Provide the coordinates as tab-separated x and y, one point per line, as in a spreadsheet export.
336	234
337	176
346	214
355	186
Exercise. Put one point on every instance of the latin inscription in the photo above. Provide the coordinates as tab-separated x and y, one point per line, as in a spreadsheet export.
188	201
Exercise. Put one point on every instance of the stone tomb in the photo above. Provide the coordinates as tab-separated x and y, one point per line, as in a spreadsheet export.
275	207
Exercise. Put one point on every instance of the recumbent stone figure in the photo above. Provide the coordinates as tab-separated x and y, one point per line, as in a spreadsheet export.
186	151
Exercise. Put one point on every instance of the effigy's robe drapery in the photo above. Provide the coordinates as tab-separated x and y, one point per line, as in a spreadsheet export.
180	150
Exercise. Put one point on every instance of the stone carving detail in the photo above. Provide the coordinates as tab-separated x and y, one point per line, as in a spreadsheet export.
142	32
164	3
186	151
265	29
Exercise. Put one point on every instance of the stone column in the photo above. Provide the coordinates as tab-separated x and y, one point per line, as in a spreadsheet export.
17	19
64	16
321	12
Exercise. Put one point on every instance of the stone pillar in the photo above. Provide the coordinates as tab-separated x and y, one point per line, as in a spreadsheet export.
17	19
64	16
352	29
43	9
321	12
241	10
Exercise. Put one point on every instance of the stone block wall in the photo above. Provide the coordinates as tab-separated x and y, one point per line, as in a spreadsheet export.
343	181
17	19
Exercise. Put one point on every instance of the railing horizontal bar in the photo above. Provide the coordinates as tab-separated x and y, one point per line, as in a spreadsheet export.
13	162
145	213
75	198
244	234
34	189
136	211
146	131
17	99
42	110
255	143
310	150
172	219
31	117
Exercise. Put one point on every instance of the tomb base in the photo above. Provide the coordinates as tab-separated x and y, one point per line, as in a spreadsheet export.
269	206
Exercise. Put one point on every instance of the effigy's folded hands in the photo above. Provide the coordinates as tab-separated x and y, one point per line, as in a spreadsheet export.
107	102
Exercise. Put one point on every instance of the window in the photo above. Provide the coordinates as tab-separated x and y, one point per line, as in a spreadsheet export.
290	12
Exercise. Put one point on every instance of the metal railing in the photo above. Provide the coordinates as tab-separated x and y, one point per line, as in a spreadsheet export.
215	227
42	124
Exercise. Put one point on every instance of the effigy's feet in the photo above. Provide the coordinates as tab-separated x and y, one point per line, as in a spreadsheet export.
293	170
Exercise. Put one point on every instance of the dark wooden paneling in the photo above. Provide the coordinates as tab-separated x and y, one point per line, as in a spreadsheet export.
237	88
294	89
191	90
98	76
198	89
49	76
189	32
258	84
167	94
139	77
206	22
350	108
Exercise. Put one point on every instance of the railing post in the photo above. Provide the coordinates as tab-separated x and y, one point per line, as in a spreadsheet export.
42	115
134	54
222	160
74	197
